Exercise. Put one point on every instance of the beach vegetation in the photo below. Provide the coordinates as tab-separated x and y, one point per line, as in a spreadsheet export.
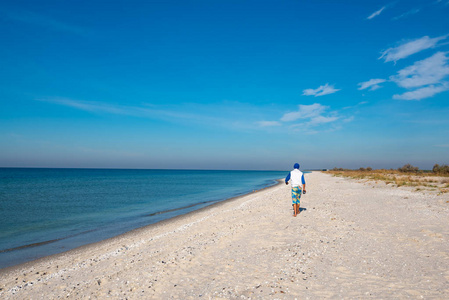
406	176
408	168
368	169
437	169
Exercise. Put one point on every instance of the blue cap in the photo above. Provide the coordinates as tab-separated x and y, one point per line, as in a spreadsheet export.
296	166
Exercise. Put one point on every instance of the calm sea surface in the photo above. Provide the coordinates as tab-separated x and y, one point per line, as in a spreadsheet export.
47	211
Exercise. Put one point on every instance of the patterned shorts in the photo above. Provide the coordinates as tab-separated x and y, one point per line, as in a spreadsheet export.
296	195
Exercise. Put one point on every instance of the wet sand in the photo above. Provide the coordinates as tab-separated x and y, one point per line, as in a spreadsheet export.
353	239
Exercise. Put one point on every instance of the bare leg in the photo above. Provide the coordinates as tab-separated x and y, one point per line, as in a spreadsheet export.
295	209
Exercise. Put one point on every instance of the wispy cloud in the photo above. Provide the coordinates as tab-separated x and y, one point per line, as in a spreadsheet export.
305	112
406	49
322	120
406	14
314	118
372	84
240	117
431	70
136	111
355	106
98	107
45	22
422	93
445	3
321	91
347	120
425	78
376	13
268	123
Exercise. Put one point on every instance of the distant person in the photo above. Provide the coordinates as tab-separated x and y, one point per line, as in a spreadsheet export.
297	180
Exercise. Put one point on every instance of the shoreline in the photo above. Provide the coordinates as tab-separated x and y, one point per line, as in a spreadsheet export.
130	232
353	239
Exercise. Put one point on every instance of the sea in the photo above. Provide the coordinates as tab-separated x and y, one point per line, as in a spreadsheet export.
49	211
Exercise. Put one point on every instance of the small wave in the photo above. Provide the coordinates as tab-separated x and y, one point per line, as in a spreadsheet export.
179	208
44	242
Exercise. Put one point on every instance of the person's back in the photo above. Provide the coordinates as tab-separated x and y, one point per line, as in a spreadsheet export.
298	187
297	178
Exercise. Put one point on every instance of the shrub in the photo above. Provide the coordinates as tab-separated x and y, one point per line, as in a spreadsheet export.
339	169
444	169
408	168
436	168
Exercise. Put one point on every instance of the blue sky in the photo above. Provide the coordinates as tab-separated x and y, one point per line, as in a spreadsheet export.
224	84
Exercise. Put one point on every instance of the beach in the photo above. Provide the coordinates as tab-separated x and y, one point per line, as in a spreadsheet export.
353	239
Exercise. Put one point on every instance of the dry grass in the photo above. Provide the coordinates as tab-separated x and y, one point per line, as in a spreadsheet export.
420	180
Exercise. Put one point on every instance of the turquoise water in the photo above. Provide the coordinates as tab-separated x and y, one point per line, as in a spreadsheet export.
47	211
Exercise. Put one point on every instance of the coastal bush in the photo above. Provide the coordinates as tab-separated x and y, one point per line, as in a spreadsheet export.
369	169
407	175
437	169
408	168
339	169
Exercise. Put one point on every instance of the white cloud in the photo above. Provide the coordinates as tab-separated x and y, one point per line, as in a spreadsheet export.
431	70
375	87
310	119
238	117
355	106
135	111
410	12
427	77
268	123
322	120
44	21
304	112
91	106
312	116
350	119
422	93
408	48
321	91
376	13
373	84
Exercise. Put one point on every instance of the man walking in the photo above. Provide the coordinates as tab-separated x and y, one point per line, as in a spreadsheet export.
297	180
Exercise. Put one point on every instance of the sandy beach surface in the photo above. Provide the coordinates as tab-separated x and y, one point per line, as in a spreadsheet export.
353	239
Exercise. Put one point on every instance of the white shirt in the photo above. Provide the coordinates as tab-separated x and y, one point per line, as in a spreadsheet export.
297	178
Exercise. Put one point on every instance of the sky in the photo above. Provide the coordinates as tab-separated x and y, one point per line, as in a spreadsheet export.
213	84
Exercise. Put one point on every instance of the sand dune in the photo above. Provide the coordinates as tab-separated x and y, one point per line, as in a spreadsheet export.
352	240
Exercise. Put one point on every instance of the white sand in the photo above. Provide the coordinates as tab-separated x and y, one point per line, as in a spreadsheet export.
354	240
